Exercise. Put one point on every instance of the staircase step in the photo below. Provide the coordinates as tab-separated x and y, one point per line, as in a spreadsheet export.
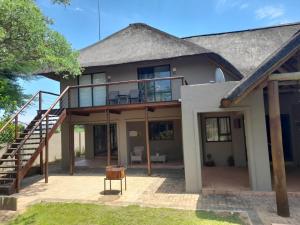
25	154
22	149
8	160
32	143
7	179
8	172
6	167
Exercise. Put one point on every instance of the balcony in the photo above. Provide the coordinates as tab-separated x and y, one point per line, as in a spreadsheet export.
124	94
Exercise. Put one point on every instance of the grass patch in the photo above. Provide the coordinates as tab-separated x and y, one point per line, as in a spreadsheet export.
76	213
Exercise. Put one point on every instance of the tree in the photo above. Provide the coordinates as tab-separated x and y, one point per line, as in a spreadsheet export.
28	46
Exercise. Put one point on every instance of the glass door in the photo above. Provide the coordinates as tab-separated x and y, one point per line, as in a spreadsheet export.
85	94
155	90
99	93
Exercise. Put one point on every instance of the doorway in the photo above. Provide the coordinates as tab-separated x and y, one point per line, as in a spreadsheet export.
100	141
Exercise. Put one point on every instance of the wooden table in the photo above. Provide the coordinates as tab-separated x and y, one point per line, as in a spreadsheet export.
115	173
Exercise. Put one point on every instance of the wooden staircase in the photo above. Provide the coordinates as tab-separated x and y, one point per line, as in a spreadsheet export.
28	145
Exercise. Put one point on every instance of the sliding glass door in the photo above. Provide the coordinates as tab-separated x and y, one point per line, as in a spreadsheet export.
155	90
92	96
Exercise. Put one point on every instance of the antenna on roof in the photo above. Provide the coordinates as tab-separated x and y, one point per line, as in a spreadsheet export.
99	20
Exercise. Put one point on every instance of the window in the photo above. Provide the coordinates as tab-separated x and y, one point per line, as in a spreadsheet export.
92	96
218	129
156	90
161	130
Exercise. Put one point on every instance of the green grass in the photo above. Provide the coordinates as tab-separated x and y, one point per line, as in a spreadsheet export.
75	213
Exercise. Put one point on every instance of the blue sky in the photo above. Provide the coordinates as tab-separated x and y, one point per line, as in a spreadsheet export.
79	21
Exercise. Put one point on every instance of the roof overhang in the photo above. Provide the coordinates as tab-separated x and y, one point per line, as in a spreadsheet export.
261	74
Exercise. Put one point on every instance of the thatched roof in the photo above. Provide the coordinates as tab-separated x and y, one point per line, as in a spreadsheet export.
247	49
140	42
273	62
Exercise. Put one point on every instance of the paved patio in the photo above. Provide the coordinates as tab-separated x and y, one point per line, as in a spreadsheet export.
160	190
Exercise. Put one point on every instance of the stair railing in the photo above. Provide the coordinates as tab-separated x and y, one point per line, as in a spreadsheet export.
15	119
44	116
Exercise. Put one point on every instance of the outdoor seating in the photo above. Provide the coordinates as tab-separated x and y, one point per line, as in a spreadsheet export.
134	96
137	154
113	97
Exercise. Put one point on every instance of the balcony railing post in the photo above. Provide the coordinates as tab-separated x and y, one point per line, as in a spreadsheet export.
16	126
41	132
146	91
46	149
69	97
40	101
107	94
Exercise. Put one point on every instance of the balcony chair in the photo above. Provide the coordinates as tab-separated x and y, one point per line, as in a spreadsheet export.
137	154
113	97
134	96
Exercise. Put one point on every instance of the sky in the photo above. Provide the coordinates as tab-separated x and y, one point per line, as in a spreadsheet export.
78	22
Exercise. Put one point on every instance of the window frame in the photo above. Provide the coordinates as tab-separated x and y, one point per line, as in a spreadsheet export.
169	122
229	134
92	88
139	75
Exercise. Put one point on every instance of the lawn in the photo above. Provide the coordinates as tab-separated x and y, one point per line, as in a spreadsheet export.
75	213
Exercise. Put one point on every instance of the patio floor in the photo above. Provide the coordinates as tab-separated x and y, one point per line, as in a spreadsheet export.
164	189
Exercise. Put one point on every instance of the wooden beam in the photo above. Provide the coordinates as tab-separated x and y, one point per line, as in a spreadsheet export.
115	111
80	113
277	150
125	107
147	142
108	137
285	76
151	109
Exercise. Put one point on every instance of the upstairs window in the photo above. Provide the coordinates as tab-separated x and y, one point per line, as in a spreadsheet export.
218	129
156	90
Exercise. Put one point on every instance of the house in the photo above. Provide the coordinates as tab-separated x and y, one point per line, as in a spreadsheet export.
160	100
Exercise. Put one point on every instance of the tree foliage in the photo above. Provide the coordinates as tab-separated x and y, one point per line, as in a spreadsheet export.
28	45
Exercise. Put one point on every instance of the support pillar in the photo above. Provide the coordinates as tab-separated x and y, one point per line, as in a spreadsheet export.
277	150
147	141
108	137
71	148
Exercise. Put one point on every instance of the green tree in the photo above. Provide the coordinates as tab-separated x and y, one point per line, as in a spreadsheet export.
28	46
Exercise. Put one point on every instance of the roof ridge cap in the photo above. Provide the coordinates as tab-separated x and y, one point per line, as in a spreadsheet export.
243	30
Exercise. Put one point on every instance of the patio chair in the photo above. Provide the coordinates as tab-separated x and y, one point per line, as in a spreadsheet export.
137	154
113	97
134	96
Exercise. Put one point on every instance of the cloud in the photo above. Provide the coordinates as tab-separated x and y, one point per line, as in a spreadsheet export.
270	12
78	9
244	6
223	5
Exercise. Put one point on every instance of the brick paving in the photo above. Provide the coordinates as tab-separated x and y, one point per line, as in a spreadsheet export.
164	190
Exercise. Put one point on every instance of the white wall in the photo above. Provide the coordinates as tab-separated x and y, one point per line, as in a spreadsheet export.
205	98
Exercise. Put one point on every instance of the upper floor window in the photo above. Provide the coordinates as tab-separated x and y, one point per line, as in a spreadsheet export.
156	90
92	96
218	129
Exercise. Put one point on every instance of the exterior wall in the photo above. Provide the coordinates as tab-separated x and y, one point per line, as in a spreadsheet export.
121	120
256	139
221	151
195	69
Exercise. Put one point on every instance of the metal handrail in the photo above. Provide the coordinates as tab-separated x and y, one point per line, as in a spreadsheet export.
24	106
129	82
19	111
40	120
